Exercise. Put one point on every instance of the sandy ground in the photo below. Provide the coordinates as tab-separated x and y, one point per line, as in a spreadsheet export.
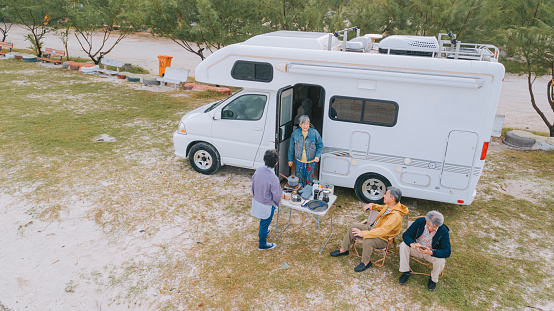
142	49
51	261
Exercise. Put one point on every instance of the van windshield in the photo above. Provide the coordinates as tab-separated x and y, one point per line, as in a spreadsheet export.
212	106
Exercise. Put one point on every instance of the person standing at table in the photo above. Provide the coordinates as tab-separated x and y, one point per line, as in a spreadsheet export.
305	150
266	196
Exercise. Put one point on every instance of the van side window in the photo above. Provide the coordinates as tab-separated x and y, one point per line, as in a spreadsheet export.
360	110
252	71
246	107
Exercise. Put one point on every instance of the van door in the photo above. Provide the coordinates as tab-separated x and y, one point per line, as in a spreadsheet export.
284	127
458	160
238	128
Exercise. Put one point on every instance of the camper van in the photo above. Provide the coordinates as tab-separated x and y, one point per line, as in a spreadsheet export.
411	112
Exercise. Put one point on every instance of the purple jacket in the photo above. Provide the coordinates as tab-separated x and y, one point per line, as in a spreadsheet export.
266	188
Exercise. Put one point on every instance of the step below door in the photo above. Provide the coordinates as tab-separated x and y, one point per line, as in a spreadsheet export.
458	159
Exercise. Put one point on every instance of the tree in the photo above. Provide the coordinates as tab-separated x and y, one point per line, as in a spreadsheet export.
104	19
417	17
197	25
6	19
527	34
304	15
37	16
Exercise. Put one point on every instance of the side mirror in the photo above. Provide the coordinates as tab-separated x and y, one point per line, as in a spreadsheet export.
227	114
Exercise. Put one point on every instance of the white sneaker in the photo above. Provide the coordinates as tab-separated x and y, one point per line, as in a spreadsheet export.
267	246
268	231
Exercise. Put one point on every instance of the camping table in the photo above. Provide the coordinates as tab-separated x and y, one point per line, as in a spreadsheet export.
313	214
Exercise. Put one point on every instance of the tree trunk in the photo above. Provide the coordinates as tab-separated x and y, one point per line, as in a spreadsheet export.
537	109
550	96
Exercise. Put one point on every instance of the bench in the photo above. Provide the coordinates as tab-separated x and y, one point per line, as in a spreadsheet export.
6	45
48	53
174	75
108	62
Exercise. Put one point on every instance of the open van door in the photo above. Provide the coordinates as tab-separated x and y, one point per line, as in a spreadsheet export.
284	126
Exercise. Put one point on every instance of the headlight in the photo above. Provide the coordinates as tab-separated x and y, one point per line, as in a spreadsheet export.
182	128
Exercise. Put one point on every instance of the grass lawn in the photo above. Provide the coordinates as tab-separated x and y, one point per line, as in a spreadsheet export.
199	241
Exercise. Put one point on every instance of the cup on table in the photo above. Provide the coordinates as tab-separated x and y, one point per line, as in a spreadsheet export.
316	194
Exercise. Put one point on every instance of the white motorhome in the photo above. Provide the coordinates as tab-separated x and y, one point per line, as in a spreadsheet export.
412	112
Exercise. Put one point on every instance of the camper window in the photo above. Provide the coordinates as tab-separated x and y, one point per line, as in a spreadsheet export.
247	107
360	110
252	71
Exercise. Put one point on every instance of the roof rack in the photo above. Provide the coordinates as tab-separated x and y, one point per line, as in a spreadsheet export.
452	48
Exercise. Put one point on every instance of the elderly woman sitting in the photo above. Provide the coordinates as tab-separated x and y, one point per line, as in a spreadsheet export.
305	149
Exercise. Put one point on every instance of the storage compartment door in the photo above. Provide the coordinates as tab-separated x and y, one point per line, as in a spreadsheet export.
458	159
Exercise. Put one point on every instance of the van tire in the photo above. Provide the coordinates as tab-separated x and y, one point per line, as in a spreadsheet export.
204	158
371	188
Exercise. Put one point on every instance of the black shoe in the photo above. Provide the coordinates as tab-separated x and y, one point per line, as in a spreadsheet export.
337	253
361	267
267	246
431	285
404	277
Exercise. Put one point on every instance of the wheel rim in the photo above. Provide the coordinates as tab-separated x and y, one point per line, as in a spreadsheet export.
374	189
202	159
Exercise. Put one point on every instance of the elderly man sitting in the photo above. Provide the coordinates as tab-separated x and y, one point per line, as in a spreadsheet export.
427	238
376	235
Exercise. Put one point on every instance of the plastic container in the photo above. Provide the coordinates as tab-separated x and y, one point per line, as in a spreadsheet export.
164	62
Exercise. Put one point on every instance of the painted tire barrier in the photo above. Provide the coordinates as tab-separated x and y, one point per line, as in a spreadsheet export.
18	57
74	67
121	76
9	56
65	65
133	79
150	81
90	70
201	87
30	59
513	140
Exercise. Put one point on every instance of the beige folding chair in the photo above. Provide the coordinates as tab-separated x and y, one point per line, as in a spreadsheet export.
383	251
420	261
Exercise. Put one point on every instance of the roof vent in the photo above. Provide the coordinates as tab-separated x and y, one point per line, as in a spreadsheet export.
409	45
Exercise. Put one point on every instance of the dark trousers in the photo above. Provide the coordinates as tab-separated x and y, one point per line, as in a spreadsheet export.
264	224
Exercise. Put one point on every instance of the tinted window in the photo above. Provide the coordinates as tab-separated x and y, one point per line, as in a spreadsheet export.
370	111
252	71
246	107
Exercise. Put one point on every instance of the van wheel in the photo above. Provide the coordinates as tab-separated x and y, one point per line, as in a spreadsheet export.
371	188
204	158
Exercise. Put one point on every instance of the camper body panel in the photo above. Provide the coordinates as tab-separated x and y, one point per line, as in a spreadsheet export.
445	108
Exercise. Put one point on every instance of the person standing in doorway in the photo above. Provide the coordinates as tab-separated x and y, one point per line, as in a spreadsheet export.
266	196
305	150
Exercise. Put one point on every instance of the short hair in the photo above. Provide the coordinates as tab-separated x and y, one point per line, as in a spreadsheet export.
395	193
435	218
303	118
271	157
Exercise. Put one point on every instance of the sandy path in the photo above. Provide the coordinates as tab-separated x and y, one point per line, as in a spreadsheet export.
143	49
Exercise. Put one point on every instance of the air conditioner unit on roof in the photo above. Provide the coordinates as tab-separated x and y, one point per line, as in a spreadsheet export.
409	45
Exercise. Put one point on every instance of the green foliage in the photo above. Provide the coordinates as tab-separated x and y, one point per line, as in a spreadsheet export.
36	16
36	46
419	17
101	16
202	24
526	31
